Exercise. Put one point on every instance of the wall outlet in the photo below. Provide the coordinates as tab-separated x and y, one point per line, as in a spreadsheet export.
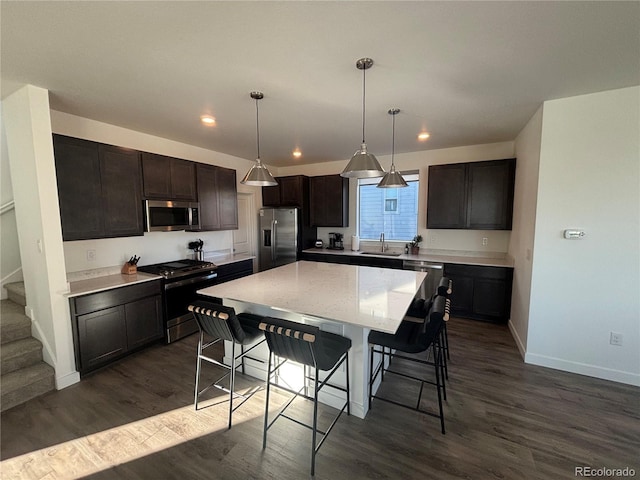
485	241
91	255
615	339
434	239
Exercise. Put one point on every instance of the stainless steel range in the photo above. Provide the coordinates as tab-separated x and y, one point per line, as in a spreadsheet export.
182	279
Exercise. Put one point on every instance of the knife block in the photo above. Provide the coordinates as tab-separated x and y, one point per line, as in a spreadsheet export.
129	269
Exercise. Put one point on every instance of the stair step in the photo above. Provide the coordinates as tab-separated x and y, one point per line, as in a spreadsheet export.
17	292
20	354
25	384
14	324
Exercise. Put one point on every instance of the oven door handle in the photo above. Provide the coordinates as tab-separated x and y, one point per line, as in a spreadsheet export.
189	281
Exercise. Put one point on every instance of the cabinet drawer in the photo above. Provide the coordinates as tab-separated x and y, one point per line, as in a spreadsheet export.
476	271
117	296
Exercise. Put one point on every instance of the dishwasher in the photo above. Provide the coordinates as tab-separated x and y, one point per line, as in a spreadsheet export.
434	275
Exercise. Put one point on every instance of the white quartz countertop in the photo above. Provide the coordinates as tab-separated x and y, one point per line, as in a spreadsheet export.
369	297
92	281
490	259
227	258
107	282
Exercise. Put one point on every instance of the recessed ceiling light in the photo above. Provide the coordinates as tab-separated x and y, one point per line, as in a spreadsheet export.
423	136
208	120
297	153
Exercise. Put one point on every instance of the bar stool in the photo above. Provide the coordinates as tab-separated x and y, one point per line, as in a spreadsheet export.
412	338
222	323
311	347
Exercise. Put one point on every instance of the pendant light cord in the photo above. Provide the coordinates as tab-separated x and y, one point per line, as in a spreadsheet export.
258	129
393	139
364	94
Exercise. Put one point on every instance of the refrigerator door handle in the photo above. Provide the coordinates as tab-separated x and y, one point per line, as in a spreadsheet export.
274	240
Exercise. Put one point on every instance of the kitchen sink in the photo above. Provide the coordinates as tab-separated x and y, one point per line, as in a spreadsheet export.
386	254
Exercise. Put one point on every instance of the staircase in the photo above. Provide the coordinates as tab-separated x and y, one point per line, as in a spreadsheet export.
24	374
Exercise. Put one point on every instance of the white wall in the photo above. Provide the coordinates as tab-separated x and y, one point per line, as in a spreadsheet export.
153	247
10	266
581	290
522	234
30	149
465	240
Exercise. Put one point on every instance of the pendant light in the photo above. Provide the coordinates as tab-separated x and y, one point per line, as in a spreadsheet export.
393	179
363	164
258	175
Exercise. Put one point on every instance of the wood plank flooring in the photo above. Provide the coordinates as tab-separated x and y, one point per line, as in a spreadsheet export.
504	420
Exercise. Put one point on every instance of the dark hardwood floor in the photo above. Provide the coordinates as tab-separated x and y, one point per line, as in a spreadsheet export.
504	420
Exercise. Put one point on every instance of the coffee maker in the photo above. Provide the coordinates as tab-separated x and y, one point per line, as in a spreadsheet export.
336	241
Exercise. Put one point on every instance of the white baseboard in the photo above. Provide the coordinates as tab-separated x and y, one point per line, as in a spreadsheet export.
516	337
583	369
67	380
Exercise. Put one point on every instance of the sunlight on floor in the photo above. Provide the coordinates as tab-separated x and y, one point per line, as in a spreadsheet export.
102	450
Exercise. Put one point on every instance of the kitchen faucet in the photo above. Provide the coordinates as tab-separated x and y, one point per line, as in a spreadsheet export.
383	246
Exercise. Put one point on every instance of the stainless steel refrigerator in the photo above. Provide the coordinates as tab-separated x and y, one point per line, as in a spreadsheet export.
279	236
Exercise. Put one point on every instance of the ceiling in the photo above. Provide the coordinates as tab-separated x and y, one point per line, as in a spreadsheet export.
466	72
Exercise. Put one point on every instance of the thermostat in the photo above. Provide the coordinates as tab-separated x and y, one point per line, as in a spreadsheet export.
574	234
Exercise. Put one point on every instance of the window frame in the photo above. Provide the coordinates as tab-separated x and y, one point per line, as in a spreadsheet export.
409	176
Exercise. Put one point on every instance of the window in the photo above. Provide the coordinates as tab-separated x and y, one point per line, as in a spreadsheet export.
393	211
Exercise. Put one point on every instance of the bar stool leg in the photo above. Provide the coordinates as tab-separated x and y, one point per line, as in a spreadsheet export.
315	424
266	410
198	363
437	368
348	391
232	380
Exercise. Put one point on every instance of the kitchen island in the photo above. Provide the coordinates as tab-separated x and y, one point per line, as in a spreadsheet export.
348	300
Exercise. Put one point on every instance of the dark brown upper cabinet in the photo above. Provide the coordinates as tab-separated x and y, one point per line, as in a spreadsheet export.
218	197
99	189
291	191
476	195
329	198
168	178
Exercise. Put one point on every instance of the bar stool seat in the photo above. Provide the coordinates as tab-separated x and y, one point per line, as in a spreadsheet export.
313	348
221	323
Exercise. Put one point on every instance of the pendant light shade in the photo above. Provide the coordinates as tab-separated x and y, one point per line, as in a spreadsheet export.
393	179
258	175
363	163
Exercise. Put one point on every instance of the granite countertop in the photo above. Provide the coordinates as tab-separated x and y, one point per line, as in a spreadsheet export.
488	259
368	297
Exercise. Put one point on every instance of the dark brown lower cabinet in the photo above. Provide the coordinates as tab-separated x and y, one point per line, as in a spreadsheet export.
481	293
231	271
110	324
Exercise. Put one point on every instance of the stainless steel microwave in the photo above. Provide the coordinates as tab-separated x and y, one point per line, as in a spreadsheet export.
167	215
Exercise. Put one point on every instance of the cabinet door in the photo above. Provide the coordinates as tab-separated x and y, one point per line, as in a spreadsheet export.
101	336
143	321
156	172
208	197
79	188
292	191
490	195
121	176
271	195
227	198
489	298
446	196
329	201
183	180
